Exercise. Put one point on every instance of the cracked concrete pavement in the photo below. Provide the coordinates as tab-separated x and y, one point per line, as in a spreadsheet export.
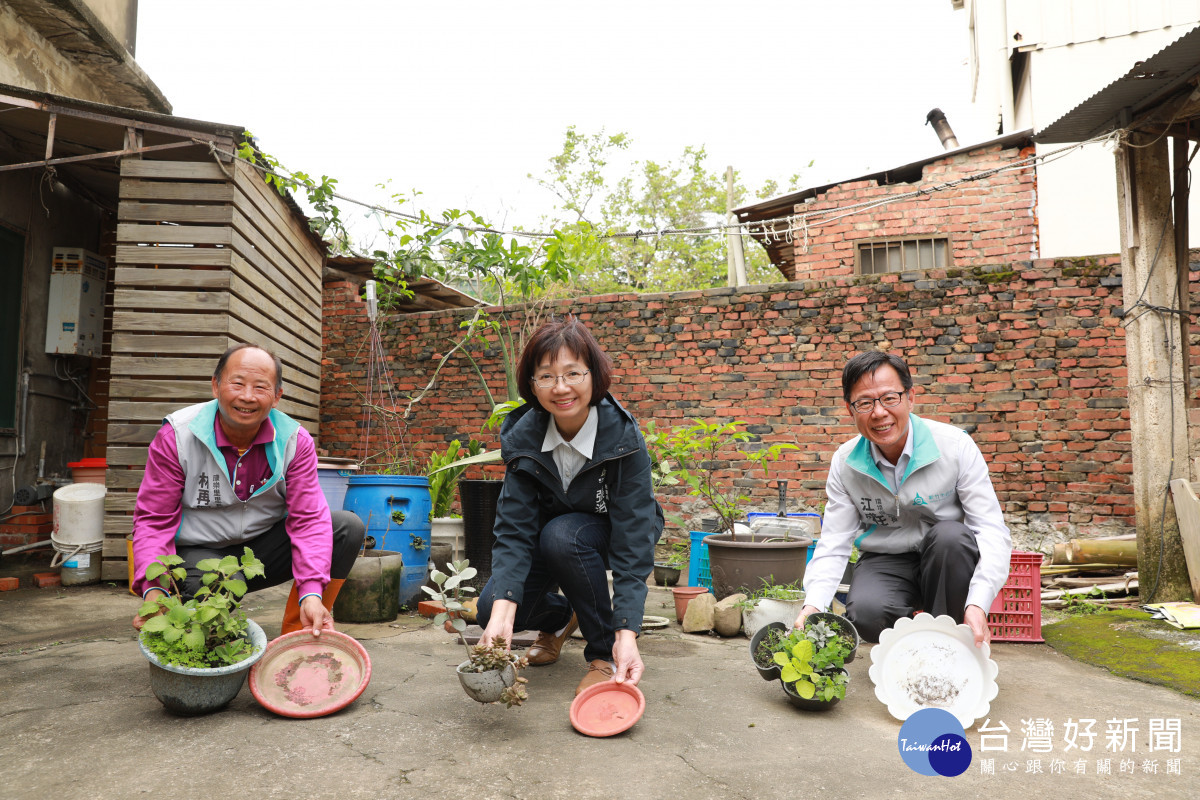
78	720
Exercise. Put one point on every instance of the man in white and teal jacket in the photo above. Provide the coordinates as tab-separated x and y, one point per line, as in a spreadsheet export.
914	496
236	472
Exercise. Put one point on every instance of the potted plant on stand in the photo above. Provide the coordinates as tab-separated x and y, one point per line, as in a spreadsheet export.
737	561
200	650
490	672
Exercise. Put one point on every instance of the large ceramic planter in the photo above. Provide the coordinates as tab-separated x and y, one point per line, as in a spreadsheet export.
811	704
194	690
746	563
767	611
770	672
683	595
371	592
486	687
479	499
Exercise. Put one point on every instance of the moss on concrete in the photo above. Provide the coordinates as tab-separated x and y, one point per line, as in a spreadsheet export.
1131	644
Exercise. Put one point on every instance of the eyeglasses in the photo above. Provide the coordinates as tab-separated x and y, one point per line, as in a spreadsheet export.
889	400
548	381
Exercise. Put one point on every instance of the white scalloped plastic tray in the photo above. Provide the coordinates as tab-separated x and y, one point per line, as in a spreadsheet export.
931	662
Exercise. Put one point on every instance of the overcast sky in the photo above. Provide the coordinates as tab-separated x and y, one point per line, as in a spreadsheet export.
460	100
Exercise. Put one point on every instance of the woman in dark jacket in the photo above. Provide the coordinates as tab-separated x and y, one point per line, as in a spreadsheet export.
577	501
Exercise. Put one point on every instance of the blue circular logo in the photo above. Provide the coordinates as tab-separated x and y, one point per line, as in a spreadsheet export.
932	742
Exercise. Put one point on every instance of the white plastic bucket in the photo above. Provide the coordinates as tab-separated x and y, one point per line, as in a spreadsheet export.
78	532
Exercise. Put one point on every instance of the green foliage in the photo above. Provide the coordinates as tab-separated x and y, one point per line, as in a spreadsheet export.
652	196
772	591
443	474
678	557
703	450
208	630
416	541
398	516
814	661
1077	602
764	654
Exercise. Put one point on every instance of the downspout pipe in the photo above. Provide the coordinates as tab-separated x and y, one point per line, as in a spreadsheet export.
942	128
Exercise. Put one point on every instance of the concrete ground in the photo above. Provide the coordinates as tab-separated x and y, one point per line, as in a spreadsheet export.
78	720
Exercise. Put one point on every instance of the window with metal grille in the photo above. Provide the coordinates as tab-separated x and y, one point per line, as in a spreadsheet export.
900	255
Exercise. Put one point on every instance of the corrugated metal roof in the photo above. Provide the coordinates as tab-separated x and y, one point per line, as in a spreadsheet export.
1171	71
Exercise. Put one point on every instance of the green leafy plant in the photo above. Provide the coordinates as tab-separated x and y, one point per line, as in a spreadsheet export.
399	516
678	557
1077	602
417	542
814	661
443	473
703	450
764	654
480	658
771	591
210	629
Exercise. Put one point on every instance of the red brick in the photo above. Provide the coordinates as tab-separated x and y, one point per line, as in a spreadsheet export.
46	580
9	584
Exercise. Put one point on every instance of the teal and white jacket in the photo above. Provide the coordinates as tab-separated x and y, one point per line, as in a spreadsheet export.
945	478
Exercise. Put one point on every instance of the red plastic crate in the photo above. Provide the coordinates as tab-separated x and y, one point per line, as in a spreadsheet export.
1016	614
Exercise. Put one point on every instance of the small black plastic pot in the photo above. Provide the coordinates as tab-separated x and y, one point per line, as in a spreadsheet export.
812	704
666	575
770	673
848	631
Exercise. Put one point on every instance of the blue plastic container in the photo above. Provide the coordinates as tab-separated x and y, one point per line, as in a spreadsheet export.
698	571
395	509
815	537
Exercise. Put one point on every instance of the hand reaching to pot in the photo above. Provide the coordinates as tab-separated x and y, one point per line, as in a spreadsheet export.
627	658
138	619
504	615
804	612
314	616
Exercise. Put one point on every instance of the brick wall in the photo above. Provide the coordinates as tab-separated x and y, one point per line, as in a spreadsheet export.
1029	358
991	220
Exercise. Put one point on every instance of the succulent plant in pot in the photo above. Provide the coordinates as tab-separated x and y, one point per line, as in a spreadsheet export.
490	672
200	649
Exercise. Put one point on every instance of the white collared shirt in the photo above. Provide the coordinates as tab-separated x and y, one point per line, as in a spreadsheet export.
570	456
894	471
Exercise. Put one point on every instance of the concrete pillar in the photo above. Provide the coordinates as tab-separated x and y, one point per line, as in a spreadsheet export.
1157	380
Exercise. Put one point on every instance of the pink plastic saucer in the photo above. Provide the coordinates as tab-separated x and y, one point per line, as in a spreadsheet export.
606	709
304	676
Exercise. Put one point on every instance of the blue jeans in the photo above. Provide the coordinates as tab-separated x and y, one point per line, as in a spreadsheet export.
571	553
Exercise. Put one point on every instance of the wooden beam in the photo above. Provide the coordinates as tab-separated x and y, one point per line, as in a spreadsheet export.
1182	271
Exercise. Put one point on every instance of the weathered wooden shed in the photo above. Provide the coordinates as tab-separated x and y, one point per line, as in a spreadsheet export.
202	254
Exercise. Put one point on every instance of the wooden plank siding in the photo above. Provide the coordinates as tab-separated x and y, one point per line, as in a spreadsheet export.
205	257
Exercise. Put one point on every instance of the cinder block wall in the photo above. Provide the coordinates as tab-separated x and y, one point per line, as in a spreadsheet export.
991	220
1029	358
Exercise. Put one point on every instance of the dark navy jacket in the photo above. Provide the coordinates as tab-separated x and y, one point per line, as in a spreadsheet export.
614	481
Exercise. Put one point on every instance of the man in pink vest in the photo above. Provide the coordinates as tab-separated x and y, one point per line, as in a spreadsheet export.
235	472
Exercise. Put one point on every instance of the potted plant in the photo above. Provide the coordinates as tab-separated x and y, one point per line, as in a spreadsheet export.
763	644
771	603
812	666
666	573
490	672
737	562
443	473
200	650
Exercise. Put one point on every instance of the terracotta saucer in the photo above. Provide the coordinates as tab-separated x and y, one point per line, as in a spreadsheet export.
606	709
304	676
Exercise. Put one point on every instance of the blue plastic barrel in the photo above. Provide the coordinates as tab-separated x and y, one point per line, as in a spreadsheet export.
396	509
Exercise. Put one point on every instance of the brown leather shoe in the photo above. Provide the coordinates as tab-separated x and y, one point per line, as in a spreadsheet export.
546	647
599	671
